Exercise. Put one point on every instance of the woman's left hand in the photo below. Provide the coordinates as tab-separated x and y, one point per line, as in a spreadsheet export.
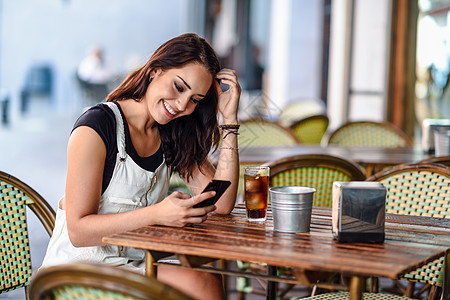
228	100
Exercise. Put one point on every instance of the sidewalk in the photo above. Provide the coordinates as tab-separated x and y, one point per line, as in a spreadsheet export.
33	149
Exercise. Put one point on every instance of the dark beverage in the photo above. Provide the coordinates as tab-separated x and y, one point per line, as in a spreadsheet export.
256	190
256	213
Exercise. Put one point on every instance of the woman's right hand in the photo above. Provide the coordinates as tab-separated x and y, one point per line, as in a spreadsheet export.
229	100
177	209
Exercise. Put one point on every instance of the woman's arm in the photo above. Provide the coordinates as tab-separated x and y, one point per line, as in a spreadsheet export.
86	158
228	163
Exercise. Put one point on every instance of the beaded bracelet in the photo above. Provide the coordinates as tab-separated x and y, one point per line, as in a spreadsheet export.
229	126
229	148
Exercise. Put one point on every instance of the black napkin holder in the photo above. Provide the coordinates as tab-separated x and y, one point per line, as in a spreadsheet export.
358	211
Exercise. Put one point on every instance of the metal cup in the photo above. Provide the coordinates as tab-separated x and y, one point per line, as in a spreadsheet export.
291	208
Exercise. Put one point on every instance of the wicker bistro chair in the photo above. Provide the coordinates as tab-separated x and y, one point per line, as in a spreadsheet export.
413	189
95	281
15	260
259	132
300	109
421	189
371	134
314	170
310	130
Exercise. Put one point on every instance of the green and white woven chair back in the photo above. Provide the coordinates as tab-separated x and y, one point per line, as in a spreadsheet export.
432	273
258	134
86	293
320	178
366	135
15	257
420	193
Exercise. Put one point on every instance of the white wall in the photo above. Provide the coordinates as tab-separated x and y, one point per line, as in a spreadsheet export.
59	32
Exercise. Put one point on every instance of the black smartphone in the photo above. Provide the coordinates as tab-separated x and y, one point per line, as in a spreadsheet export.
219	186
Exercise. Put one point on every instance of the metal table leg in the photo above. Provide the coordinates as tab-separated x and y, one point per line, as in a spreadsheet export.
271	285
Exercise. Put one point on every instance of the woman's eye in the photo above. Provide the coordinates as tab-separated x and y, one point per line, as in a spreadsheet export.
195	100
179	88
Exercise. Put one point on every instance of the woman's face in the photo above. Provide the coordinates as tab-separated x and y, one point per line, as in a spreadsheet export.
175	92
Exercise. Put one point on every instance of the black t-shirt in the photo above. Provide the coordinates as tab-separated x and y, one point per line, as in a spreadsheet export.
101	118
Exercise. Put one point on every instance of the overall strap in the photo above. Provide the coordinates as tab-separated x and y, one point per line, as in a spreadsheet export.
120	130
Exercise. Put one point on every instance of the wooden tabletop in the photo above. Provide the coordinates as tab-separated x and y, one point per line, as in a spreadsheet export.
410	242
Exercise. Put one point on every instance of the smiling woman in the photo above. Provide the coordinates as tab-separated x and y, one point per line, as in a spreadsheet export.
170	90
162	118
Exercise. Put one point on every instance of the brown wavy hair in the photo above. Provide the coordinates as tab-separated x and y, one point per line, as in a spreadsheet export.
186	141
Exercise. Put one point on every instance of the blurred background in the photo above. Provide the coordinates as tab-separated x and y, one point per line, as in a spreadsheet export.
381	60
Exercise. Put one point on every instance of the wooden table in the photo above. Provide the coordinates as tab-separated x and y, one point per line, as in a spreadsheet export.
372	158
410	242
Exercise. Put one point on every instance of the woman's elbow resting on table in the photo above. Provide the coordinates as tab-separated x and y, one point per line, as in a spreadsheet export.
224	210
225	205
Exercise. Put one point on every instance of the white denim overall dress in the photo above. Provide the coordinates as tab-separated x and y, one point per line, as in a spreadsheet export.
130	188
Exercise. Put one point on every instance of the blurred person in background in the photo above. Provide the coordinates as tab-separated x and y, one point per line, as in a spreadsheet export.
92	68
162	118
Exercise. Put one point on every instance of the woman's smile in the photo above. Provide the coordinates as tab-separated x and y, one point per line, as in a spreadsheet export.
169	110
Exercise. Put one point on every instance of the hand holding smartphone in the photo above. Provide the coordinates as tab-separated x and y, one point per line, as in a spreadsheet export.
219	186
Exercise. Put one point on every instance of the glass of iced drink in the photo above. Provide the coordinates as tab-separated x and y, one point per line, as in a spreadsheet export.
256	180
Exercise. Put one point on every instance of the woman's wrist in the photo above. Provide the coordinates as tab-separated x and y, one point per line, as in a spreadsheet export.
230	120
229	128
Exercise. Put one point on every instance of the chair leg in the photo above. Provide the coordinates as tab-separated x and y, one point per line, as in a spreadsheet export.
27	296
240	295
373	284
433	293
410	289
289	287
